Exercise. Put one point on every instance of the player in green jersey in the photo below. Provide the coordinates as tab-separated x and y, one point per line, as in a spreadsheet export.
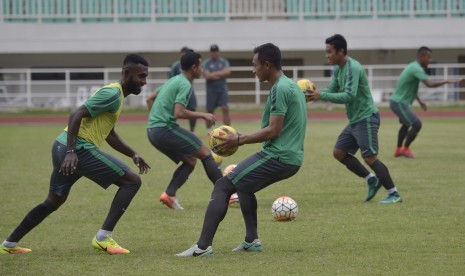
75	154
282	136
168	104
349	86
405	93
176	70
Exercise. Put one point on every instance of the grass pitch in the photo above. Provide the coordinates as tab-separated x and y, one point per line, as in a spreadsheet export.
335	233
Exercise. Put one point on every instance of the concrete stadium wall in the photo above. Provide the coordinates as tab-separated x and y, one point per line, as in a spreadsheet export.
233	36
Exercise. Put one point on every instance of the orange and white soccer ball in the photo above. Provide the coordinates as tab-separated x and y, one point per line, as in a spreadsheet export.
229	169
219	131
284	209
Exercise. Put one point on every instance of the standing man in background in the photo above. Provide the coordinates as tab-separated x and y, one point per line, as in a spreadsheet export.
176	70
215	70
405	93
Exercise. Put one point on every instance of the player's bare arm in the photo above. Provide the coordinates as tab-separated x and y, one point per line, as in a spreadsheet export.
422	103
181	112
74	122
118	144
270	132
151	99
432	84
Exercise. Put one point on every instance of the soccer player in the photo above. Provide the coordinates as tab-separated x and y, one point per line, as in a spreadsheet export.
405	93
168	104
176	70
349	86
215	71
75	154
282	136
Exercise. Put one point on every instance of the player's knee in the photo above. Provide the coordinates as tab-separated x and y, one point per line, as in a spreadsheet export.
131	181
369	160
53	204
339	154
136	183
192	161
417	125
224	184
133	185
203	152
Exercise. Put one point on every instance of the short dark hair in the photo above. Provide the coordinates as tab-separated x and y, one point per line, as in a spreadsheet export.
269	52
338	42
214	48
186	50
189	59
134	59
423	50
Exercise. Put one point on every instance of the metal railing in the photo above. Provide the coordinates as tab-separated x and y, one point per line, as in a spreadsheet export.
107	11
68	87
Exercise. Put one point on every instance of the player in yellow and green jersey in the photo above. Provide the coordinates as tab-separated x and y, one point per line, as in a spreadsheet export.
405	93
76	154
349	86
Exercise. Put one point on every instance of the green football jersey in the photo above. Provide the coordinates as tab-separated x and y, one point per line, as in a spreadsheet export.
178	89
349	86
409	80
105	107
286	99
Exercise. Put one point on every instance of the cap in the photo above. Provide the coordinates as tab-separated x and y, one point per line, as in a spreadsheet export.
214	48
186	50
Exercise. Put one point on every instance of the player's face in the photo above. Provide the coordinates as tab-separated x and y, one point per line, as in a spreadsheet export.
426	59
333	56
135	78
197	69
259	69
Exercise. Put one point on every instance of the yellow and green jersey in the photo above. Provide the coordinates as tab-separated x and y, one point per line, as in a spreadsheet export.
286	99
104	106
349	86
178	89
409	80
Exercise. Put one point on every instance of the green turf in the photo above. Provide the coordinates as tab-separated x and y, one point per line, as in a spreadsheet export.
335	233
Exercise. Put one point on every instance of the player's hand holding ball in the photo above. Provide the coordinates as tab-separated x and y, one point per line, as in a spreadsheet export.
224	141
309	89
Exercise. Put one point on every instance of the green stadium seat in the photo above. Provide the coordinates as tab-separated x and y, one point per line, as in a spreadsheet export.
171	10
135	11
209	10
97	11
319	9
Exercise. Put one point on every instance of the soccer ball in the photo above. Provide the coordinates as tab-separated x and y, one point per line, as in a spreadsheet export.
219	131
305	84
218	159
284	209
229	169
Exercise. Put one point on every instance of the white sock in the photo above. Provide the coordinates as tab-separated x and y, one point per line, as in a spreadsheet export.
390	191
103	234
9	244
369	176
